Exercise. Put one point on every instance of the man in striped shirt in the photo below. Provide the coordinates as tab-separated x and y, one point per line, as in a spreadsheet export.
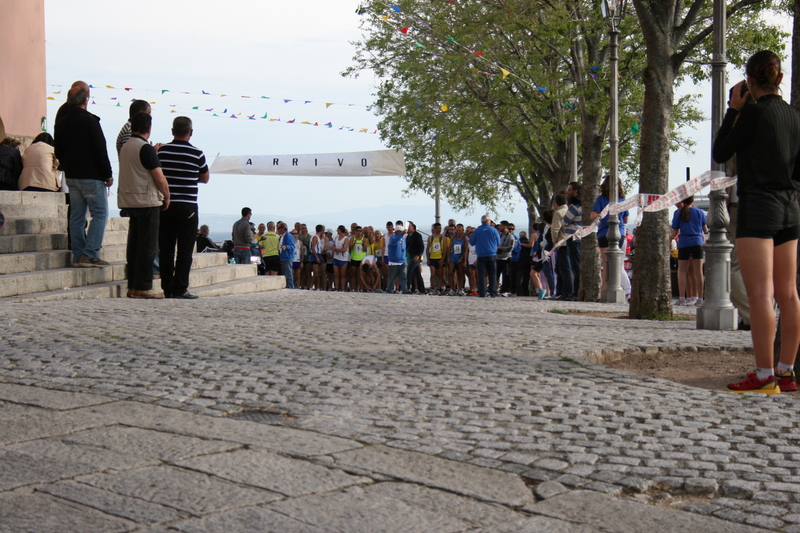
137	106
184	167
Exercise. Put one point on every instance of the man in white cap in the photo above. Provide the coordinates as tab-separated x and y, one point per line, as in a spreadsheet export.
396	250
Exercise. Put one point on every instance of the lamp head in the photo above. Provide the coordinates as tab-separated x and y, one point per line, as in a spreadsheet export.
613	9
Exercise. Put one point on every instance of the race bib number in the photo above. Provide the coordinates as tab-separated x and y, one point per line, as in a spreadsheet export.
378	253
456	249
358	248
437	247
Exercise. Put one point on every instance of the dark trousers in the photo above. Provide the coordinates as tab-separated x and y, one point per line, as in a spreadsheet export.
505	268
513	276
574	249
564	272
178	231
523	276
548	274
414	276
142	243
487	267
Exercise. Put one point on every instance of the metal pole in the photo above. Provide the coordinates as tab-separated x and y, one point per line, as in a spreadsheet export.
438	214
613	291
574	156
717	312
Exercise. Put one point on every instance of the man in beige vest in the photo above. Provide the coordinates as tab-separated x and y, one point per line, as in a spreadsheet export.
143	193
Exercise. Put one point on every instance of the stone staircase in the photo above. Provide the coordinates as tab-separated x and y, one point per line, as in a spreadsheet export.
35	263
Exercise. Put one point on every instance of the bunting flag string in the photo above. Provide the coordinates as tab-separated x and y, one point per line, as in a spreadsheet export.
714	179
198	110
221	95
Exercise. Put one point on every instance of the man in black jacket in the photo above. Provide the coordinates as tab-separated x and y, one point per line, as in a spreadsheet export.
81	149
416	247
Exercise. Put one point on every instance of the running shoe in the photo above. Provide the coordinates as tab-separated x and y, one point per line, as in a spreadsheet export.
752	384
787	381
542	293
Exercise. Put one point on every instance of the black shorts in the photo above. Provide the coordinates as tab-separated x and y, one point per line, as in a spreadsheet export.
781	236
272	263
355	264
690	252
602	242
435	262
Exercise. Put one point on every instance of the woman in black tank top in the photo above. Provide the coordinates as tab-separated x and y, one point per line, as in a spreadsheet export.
765	137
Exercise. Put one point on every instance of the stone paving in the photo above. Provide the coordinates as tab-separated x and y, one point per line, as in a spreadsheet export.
502	384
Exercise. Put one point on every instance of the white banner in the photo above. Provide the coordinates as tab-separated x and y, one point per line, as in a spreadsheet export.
653	202
347	164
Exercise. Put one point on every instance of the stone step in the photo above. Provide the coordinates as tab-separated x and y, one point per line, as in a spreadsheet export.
31	198
242	286
208	260
12	211
42	242
117	224
26	282
52	259
21	226
115	237
112	289
117	254
34	261
32	242
52	280
220	274
118	289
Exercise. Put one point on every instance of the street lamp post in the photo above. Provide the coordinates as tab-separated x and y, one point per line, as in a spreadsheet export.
613	11
717	311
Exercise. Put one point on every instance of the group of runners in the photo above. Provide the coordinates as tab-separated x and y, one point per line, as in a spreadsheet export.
357	259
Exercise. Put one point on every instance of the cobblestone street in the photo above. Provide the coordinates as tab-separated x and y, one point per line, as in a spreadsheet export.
498	383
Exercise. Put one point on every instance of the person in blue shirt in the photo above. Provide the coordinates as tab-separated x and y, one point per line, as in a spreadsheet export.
602	229
689	224
286	253
396	257
486	241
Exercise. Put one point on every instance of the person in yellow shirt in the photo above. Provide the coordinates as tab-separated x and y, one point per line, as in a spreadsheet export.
359	245
437	259
269	256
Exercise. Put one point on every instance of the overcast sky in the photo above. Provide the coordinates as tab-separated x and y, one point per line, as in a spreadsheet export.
255	48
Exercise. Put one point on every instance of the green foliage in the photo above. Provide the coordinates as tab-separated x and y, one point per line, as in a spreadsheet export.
748	31
484	137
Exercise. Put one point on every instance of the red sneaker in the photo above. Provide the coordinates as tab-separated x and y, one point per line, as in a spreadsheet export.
787	382
752	384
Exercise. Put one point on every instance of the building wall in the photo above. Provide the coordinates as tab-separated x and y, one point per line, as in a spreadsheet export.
23	80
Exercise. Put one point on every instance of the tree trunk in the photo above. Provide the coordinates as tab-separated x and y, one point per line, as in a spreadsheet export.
591	155
651	295
533	216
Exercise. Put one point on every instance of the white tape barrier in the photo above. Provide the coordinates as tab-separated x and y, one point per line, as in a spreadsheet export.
652	202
